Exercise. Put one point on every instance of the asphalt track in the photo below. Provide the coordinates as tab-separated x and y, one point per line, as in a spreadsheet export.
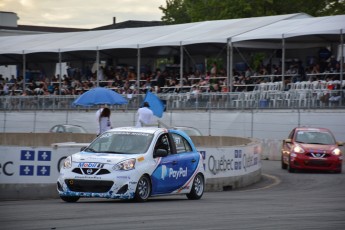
281	201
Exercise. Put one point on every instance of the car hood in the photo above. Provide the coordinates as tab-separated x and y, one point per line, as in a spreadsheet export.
104	158
317	148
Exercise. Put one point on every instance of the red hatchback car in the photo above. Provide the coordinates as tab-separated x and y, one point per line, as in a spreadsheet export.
311	149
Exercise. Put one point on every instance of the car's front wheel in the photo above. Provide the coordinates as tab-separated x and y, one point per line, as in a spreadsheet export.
198	188
143	190
70	199
284	166
290	168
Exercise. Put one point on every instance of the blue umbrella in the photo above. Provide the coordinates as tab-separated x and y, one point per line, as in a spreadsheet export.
100	96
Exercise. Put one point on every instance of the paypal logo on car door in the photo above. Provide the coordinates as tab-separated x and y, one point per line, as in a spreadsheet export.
173	172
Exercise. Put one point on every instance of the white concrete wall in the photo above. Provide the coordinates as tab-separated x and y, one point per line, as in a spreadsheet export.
260	124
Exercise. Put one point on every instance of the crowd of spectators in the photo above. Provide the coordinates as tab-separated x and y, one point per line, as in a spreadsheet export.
124	79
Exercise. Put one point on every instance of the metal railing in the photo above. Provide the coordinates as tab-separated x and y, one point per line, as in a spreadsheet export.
309	99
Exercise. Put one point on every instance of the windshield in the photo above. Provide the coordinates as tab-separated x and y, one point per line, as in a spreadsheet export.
323	138
121	143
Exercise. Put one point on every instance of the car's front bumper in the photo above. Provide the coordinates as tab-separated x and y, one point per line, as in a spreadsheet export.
109	186
300	161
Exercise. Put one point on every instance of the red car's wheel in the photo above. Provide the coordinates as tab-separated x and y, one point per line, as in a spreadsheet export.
284	166
290	168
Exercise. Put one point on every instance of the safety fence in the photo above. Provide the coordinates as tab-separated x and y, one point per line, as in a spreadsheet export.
272	99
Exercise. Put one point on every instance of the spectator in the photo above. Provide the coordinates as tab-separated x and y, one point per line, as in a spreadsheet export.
144	115
104	121
214	70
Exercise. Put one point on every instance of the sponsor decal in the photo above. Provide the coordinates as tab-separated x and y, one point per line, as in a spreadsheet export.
90	165
133	133
171	173
141	159
123	177
239	161
7	171
203	154
88	177
29	170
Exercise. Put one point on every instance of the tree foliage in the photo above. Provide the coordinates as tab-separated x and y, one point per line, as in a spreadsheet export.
175	12
184	11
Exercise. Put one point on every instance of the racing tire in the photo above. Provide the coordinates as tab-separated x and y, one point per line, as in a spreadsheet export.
70	199
290	169
198	188
284	166
339	170
143	190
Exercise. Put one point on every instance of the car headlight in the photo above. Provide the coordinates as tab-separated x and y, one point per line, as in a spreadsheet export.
125	165
336	152
67	162
298	149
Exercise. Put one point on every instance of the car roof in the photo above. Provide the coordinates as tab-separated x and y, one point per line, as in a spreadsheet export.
188	130
150	130
312	129
70	125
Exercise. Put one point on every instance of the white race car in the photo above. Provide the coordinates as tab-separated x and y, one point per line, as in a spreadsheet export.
134	163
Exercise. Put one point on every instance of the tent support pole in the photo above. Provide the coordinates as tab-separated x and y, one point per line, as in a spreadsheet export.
181	64
24	71
188	54
97	66
283	62
229	65
60	72
341	63
138	68
341	55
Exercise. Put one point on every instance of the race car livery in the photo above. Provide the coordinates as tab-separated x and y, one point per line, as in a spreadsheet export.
134	163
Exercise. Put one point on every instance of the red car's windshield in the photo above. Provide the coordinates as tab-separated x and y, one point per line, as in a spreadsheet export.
312	137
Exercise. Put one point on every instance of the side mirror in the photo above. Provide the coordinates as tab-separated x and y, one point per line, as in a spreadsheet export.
288	141
160	153
82	148
340	143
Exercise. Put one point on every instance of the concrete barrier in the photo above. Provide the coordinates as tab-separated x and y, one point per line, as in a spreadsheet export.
29	162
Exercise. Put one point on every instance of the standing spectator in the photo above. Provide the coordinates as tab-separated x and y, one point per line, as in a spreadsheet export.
214	70
99	111
160	79
145	115
104	121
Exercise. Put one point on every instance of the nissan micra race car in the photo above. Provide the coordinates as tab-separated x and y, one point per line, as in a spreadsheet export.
134	163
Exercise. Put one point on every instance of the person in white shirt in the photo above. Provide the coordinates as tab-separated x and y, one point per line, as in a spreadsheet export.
144	115
98	114
104	121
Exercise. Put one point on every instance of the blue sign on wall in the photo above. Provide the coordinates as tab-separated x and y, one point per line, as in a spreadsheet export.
27	155
43	170
26	170
44	155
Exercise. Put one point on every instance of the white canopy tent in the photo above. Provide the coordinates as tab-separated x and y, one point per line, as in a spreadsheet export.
170	35
297	33
300	29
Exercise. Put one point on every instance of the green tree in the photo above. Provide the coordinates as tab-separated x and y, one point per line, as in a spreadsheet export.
175	12
183	11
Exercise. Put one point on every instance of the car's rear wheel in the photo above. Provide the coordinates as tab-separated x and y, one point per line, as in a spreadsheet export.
143	190
198	188
70	199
